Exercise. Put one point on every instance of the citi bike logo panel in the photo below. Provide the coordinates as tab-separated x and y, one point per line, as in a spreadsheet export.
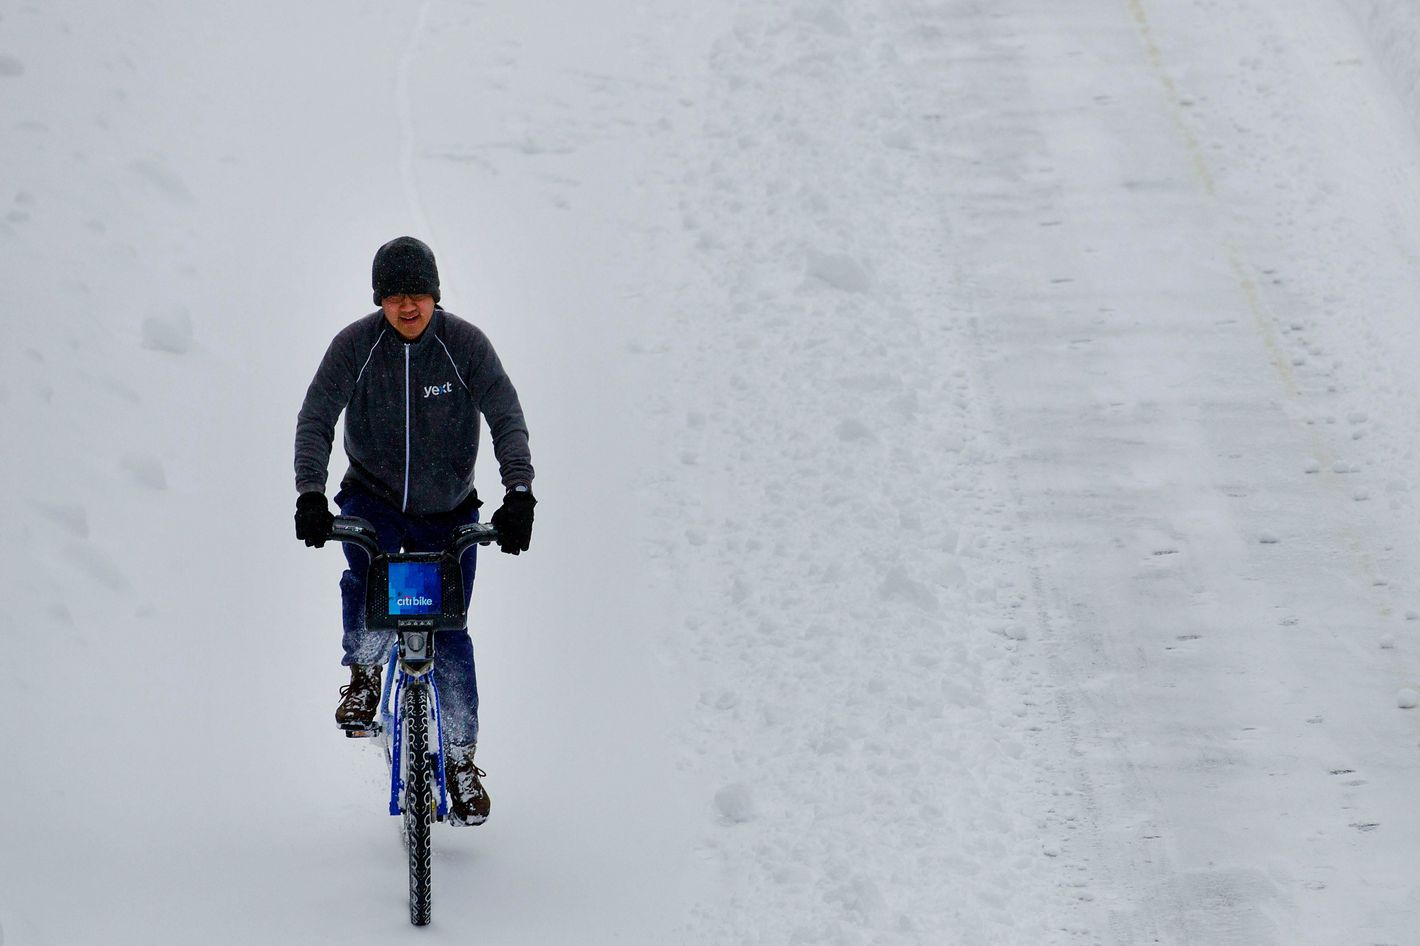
414	588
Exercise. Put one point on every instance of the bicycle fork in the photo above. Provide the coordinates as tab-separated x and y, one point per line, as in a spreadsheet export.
396	680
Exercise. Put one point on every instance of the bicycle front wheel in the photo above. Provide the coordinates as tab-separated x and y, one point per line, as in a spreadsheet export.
418	801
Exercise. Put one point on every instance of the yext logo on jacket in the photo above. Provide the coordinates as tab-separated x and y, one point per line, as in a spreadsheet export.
436	389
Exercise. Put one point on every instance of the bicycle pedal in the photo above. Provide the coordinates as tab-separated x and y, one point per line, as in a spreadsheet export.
362	732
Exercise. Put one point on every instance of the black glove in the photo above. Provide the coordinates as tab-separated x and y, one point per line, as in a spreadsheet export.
313	519
514	520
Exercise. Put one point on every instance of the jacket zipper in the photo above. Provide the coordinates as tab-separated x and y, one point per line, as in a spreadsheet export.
405	507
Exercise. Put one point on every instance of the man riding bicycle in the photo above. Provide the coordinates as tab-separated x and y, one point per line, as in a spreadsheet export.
412	380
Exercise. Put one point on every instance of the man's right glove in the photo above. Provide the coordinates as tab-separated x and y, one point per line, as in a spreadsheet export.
514	520
313	519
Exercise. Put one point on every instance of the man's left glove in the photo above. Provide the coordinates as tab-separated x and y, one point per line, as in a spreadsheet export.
313	519
514	520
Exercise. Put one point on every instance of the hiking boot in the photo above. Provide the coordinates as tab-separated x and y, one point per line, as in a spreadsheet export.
468	802
360	698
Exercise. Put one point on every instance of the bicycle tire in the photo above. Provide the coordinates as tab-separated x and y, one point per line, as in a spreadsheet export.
418	803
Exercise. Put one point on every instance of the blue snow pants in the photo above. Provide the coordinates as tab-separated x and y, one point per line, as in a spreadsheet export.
454	674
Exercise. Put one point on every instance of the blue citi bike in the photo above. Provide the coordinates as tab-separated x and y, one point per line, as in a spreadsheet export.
413	594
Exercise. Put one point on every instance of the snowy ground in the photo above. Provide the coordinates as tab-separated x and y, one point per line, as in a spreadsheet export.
974	459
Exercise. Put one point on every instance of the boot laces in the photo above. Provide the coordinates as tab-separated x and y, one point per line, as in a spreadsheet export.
467	779
345	691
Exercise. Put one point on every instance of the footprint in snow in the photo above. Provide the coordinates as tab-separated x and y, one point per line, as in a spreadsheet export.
144	471
838	271
853	430
165	181
98	564
171	332
734	804
897	586
72	517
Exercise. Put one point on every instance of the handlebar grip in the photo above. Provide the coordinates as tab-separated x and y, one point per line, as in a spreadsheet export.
474	533
353	530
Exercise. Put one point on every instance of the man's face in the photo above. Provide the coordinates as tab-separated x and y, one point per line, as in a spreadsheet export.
408	314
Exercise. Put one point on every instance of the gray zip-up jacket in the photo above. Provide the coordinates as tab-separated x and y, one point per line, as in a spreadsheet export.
411	414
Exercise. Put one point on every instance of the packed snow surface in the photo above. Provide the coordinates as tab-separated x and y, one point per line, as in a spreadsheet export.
976	449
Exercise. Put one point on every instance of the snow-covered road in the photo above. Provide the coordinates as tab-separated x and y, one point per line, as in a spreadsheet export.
1215	508
974	443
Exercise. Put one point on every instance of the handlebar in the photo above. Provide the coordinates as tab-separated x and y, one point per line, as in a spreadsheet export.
356	531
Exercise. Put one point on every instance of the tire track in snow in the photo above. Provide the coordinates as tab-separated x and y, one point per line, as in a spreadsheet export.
1125	928
1072	645
1263	316
412	197
1263	319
